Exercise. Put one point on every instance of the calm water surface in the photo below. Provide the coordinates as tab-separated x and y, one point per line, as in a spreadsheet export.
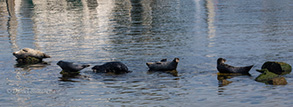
134	32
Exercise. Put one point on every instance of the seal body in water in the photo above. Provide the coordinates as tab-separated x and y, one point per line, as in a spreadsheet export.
163	65
111	67
71	67
225	68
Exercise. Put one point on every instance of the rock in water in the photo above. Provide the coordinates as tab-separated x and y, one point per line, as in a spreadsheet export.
280	68
278	81
28	60
266	76
271	78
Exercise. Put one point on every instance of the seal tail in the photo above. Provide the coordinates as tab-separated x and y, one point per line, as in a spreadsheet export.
247	69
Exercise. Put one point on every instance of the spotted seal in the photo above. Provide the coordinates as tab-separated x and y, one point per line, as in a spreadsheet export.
163	65
225	68
28	52
28	55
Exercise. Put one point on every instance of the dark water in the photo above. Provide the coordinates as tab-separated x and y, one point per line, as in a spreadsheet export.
134	32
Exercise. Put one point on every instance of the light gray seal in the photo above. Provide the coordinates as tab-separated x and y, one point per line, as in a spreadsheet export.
71	67
163	65
28	52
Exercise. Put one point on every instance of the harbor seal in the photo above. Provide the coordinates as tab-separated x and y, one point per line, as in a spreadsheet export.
71	67
163	65
111	67
28	52
225	68
29	56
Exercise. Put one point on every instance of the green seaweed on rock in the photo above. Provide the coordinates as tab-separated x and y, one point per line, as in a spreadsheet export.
271	78
29	60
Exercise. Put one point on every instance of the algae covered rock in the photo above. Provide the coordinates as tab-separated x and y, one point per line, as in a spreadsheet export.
266	76
28	60
271	78
278	81
280	68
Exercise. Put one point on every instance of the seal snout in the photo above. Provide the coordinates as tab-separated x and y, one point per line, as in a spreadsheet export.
176	60
148	63
95	68
46	56
59	62
85	66
15	53
221	60
128	71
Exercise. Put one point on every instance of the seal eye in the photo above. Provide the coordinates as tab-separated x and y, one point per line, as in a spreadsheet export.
24	50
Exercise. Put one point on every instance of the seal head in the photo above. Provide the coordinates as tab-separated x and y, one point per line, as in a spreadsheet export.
71	67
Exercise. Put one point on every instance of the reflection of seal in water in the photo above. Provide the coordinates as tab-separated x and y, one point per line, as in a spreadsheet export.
225	68
71	67
172	72
163	65
111	67
28	52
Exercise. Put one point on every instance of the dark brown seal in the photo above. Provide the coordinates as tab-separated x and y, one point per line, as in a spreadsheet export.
111	67
225	68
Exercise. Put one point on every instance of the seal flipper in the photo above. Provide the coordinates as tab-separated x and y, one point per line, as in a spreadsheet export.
164	60
46	56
